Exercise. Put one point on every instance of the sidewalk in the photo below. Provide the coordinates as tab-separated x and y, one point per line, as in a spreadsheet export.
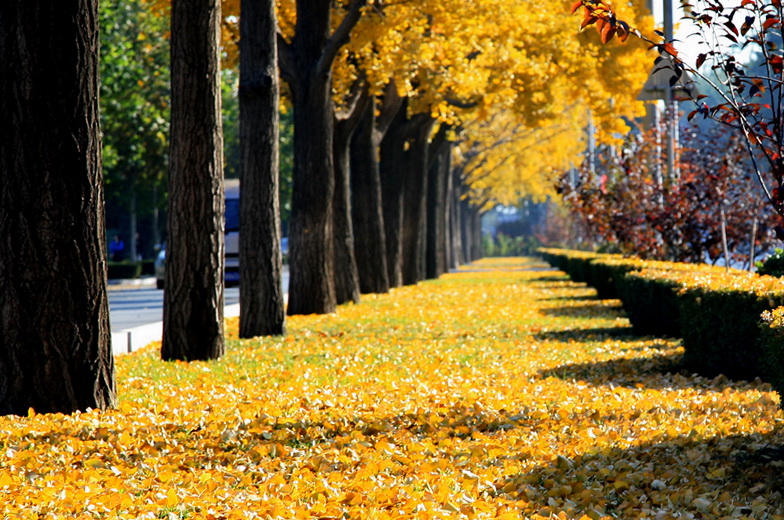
121	283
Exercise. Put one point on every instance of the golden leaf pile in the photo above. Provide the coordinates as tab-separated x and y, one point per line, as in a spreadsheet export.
500	391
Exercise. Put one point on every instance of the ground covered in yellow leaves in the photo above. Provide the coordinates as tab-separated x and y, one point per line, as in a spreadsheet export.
502	391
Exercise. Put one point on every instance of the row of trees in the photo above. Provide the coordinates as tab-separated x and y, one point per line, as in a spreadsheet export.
382	94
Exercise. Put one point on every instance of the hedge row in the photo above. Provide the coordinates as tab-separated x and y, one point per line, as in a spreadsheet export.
120	270
730	320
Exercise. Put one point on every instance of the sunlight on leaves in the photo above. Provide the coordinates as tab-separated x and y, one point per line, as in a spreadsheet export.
502	390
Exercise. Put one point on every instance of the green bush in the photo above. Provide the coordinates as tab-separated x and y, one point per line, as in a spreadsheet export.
650	302
504	245
488	246
148	267
772	349
579	266
549	255
608	271
715	310
720	330
772	265
124	270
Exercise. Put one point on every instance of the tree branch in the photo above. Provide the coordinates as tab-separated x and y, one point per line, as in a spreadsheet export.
288	70
461	104
358	101
340	37
391	104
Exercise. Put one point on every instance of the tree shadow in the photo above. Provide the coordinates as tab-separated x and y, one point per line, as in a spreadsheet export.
544	280
663	371
585	297
736	476
586	335
593	308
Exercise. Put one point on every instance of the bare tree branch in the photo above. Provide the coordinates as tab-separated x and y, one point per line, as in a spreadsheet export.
288	70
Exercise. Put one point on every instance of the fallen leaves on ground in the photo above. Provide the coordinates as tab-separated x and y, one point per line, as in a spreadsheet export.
500	391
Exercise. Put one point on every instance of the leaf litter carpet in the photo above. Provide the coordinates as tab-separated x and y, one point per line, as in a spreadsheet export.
502	390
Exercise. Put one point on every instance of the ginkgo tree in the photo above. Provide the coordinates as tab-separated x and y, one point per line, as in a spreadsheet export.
427	68
460	71
533	122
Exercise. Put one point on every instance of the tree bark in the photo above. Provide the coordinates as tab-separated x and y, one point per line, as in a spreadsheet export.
366	205
345	264
392	167
55	350
415	199
262	311
306	64
476	234
465	230
455	242
437	206
193	299
311	285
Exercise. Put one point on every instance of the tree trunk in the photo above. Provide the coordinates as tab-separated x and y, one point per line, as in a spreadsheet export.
133	226
366	206
345	264
262	311
156	220
311	285
465	230
455	245
436	231
193	299
476	234
55	350
415	200
452	257
392	170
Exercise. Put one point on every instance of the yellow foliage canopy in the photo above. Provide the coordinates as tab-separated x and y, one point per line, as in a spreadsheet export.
489	67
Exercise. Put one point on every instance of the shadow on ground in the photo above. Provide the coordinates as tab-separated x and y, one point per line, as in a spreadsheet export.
721	477
590	309
660	372
587	335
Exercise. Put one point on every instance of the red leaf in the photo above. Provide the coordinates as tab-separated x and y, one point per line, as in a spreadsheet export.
588	20
777	64
608	31
670	49
770	22
731	26
576	6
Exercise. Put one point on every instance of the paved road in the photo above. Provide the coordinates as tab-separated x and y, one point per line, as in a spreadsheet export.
134	307
136	313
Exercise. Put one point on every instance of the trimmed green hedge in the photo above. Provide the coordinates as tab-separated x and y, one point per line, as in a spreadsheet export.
650	302
718	312
772	348
123	270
